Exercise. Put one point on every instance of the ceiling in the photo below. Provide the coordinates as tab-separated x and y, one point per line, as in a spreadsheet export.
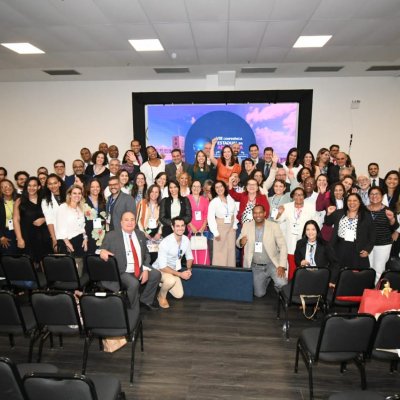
206	36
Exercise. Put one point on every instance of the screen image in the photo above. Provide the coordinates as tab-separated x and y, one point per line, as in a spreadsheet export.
189	126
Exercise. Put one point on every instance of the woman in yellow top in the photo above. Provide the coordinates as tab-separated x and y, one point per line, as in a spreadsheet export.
8	195
226	164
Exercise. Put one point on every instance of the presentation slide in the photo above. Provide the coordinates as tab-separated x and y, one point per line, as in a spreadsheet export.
189	126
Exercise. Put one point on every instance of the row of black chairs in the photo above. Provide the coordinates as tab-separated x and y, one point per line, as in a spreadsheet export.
55	313
343	338
312	284
59	272
44	382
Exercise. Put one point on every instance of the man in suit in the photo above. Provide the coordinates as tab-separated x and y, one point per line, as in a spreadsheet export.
78	166
117	204
265	251
373	172
177	166
128	246
86	156
136	147
266	164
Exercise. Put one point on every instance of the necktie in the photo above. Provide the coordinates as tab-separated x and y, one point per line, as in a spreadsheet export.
266	170
373	182
135	257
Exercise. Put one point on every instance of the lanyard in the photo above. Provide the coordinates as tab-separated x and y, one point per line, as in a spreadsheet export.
259	234
110	204
297	213
96	208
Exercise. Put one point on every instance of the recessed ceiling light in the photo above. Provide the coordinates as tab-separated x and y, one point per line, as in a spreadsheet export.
23	48
146	45
312	41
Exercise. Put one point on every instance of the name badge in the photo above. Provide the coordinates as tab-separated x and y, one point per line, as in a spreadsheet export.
178	265
10	224
274	213
152	223
97	223
258	247
197	215
227	219
349	235
296	229
108	219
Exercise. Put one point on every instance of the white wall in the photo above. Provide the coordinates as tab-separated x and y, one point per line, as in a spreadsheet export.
43	121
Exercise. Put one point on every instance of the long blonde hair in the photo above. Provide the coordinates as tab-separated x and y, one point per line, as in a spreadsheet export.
68	197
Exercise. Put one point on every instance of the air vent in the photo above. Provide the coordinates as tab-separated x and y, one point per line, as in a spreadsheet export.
172	70
256	70
323	69
61	72
384	68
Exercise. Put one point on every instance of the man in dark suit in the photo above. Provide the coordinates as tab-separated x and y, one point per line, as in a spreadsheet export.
266	164
141	155
373	172
78	166
128	246
177	166
117	204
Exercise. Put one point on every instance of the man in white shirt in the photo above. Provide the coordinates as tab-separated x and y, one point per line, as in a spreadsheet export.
114	166
128	246
169	262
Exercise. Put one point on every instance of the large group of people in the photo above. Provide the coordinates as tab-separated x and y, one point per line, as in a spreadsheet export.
253	212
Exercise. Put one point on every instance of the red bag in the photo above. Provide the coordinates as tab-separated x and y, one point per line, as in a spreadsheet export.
376	302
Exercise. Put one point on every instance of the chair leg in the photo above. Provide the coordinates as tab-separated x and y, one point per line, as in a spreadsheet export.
343	367
278	309
393	366
141	337
296	362
12	341
132	360
310	380
31	343
361	366
286	322
88	341
60	340
41	343
51	341
101	348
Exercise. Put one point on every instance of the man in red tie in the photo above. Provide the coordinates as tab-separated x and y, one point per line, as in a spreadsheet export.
128	246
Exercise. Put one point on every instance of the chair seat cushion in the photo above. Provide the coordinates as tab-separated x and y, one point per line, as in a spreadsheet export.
27	368
384	355
309	339
107	387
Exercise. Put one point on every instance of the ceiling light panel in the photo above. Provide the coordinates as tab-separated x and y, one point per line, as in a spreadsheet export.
23	48
146	45
312	41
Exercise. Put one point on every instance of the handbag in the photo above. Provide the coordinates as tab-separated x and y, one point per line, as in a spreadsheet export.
198	242
303	298
378	301
110	345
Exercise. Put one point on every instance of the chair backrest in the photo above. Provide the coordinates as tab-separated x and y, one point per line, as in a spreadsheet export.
10	314
388	331
57	386
104	311
346	333
10	382
19	268
393	277
310	281
100	270
352	282
54	309
61	268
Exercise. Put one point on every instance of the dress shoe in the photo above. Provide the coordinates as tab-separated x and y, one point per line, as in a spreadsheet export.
150	307
163	302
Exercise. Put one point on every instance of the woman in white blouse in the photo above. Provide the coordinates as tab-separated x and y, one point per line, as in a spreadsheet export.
222	223
70	225
153	166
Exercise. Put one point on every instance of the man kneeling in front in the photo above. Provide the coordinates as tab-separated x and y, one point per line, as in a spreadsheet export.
265	251
169	262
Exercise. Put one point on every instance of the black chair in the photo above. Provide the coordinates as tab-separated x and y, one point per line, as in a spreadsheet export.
11	387
341	338
100	270
107	316
19	271
393	277
62	273
40	386
56	313
16	320
350	287
306	282
387	338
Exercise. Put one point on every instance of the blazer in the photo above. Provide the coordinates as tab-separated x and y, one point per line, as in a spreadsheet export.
273	242
323	256
243	199
170	169
114	242
261	165
123	203
366	234
165	213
